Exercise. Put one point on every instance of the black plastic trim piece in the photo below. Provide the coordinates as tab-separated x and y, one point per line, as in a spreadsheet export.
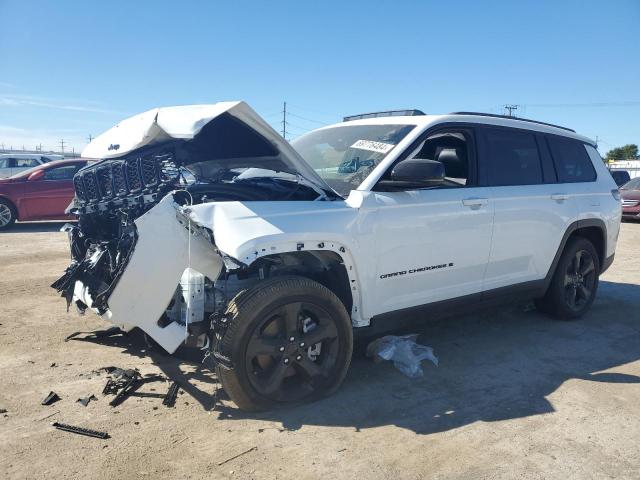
607	263
575	226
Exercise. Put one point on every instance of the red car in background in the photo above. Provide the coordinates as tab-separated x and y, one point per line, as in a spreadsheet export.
40	193
630	193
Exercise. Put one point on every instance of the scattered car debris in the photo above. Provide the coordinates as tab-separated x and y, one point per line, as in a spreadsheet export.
127	382
238	455
123	382
3	410
170	398
405	353
50	398
54	364
81	431
85	401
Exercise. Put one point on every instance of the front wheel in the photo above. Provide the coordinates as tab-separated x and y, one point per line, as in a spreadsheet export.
574	283
289	340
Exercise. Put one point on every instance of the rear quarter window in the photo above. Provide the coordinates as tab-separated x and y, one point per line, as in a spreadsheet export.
512	157
571	160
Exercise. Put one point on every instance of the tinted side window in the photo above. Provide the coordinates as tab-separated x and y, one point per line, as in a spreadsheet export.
512	157
4	163
571	160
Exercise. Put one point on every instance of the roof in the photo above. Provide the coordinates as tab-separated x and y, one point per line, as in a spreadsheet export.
425	121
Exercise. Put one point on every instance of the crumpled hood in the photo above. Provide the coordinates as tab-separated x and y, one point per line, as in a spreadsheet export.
224	123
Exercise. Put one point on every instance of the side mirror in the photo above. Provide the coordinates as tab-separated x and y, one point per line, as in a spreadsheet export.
37	175
417	173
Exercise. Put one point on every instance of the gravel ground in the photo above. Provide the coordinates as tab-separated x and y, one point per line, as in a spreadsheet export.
516	395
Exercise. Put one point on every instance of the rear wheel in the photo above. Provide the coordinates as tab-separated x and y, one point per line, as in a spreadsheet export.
7	214
574	283
289	340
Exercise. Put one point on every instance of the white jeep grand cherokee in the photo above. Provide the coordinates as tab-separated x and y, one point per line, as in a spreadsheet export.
202	225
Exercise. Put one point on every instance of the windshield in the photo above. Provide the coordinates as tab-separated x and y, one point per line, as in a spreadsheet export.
344	156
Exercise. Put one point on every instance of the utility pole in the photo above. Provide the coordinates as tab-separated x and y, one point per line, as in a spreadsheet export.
284	121
511	109
90	138
62	145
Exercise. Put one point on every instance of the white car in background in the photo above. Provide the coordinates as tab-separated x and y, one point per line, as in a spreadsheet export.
13	163
278	254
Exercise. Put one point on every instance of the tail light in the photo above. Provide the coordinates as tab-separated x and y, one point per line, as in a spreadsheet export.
616	194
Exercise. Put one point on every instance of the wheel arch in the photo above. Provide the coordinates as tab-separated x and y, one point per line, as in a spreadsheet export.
328	263
594	230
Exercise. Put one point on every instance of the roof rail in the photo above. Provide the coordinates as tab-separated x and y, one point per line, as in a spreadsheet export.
493	115
389	113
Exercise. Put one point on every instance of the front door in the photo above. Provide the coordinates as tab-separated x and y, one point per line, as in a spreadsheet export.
49	196
433	244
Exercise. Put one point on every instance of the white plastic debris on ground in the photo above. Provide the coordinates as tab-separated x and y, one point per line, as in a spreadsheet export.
404	352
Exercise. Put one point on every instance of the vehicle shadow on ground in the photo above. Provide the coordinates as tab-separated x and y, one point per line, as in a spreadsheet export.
494	365
197	380
34	227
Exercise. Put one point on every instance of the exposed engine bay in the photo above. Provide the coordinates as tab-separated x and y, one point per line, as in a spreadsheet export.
116	196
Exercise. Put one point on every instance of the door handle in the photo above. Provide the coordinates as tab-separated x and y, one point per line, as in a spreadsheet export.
475	202
559	197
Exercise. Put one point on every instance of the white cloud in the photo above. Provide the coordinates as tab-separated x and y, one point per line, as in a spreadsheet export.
38	102
17	138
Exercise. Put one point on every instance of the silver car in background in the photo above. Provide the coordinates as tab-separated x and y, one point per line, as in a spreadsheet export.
13	163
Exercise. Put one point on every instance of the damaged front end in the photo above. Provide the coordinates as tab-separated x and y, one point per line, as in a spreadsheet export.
137	259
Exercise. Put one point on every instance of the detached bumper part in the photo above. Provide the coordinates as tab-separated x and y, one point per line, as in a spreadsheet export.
147	284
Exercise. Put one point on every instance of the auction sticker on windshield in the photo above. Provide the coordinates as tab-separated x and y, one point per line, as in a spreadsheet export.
379	147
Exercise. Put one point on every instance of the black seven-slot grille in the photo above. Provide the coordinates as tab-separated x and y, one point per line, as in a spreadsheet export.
114	182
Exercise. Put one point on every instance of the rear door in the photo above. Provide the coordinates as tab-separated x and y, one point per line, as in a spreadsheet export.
50	196
532	212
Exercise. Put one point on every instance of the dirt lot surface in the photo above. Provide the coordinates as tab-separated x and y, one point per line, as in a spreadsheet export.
516	395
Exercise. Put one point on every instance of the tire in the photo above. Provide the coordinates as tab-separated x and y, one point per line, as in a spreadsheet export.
575	282
289	340
7	214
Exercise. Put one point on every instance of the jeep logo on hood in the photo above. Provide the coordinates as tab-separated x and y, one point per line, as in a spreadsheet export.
114	146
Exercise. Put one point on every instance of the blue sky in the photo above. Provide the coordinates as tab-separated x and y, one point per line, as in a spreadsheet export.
75	68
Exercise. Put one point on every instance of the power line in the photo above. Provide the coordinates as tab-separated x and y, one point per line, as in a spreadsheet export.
307	119
332	115
583	105
299	127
